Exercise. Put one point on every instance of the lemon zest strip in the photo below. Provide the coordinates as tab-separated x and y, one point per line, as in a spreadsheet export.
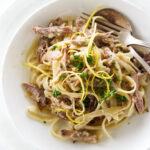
90	18
78	33
66	111
37	68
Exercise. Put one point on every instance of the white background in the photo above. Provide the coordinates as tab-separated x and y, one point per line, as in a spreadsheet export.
12	13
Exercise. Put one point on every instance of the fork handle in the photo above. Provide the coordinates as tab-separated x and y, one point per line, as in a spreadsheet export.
139	42
140	60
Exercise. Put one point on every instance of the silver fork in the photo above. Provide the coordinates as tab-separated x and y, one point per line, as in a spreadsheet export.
124	36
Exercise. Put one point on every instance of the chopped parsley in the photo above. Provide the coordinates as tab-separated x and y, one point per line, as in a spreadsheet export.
80	90
62	77
76	56
86	102
113	63
54	47
121	98
99	81
56	93
90	59
61	66
101	91
77	64
110	81
44	122
110	94
83	75
118	78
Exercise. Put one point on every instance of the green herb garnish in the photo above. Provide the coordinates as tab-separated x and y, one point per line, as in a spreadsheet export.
113	63
121	98
110	81
54	47
118	78
44	122
76	56
56	93
101	91
86	102
99	81
62	77
77	64
80	90
110	94
61	66
90	59
83	75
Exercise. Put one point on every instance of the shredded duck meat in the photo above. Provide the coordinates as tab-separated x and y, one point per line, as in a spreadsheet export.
37	94
137	98
53	31
81	135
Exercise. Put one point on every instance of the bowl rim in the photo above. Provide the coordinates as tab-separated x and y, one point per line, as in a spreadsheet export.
46	4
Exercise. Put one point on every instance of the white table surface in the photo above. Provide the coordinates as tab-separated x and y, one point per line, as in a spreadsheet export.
12	13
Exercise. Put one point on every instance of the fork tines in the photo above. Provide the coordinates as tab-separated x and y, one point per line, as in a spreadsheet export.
104	26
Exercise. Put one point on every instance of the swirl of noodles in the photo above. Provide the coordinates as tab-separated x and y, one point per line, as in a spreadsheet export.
90	86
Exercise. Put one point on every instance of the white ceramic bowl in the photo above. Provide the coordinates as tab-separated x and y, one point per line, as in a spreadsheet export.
135	136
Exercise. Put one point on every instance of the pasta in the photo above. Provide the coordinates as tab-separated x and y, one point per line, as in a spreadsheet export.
83	81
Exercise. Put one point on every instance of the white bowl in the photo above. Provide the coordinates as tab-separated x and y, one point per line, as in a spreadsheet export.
135	136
